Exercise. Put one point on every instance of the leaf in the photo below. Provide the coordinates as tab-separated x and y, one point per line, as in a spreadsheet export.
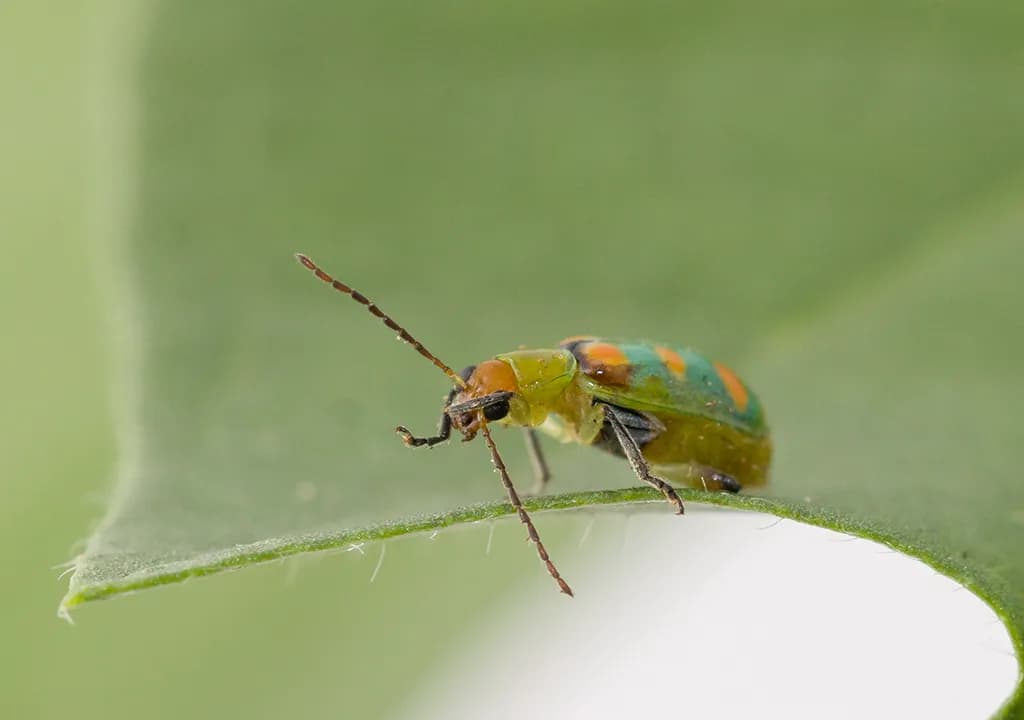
827	204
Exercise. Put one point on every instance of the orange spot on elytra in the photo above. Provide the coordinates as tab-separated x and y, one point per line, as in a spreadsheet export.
600	353
673	361
734	386
606	363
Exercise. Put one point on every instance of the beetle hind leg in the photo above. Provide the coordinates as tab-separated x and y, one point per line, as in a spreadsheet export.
702	477
723	482
711	480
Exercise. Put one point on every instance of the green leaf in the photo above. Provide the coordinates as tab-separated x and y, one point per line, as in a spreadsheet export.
831	202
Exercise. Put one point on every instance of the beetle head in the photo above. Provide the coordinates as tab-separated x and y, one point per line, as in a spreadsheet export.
491	388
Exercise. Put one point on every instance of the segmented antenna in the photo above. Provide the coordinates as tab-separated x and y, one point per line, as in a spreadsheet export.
524	518
403	334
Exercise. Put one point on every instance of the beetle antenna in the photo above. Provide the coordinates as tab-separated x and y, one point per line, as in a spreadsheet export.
403	334
524	518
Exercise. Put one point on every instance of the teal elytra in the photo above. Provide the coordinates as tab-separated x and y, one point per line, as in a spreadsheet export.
666	380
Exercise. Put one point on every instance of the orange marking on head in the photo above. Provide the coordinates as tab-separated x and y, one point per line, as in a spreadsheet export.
673	361
601	353
492	376
734	386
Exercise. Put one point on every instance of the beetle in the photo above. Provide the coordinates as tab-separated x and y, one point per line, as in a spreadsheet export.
669	411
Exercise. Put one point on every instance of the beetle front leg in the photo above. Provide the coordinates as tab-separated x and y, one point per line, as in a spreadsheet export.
443	433
637	460
444	428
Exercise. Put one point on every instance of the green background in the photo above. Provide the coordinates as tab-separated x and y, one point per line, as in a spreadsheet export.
829	198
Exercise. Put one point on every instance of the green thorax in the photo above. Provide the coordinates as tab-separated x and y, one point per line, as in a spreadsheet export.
543	377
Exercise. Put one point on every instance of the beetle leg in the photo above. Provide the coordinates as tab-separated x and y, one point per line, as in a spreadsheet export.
700	476
715	480
444	427
541	473
636	458
642	428
465	418
443	433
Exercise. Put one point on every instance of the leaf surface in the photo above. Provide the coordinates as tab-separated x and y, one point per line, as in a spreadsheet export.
830	202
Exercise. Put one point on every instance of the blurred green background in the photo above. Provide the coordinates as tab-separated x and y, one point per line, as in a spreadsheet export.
730	175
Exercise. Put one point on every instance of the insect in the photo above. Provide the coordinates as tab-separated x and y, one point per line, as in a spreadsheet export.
670	412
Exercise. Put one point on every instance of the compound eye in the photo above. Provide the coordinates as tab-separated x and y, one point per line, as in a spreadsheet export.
496	411
466	419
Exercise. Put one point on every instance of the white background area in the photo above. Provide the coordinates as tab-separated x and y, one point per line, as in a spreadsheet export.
728	614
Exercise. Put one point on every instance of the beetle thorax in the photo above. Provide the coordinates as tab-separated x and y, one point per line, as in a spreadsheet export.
537	379
541	377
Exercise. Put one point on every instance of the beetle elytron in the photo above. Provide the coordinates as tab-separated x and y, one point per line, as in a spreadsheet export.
666	410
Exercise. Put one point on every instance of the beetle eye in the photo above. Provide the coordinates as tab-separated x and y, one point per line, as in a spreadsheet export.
466	419
496	411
